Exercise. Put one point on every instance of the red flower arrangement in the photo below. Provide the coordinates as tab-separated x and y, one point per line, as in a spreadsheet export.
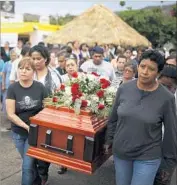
89	91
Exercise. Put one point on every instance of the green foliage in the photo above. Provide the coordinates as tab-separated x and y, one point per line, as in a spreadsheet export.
122	3
53	20
61	20
154	24
30	18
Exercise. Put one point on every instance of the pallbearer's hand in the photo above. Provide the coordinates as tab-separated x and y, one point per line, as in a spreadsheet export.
107	148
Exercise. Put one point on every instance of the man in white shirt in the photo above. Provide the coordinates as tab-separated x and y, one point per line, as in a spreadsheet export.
13	74
98	65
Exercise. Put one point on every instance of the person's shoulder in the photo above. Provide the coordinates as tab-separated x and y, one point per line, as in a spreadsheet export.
167	95
107	64
88	62
129	84
14	85
16	62
38	84
1	61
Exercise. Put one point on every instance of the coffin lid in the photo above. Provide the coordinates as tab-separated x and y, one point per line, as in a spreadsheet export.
66	120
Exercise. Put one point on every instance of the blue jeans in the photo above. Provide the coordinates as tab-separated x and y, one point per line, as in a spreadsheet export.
4	95
135	172
28	169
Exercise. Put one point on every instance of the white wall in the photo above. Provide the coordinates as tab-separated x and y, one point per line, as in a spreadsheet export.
38	36
12	38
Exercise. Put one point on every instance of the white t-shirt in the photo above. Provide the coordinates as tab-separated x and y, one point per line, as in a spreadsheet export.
103	69
13	73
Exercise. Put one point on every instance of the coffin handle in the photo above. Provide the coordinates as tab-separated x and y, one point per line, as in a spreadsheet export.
57	149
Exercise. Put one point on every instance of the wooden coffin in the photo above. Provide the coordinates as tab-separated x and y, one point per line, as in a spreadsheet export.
61	137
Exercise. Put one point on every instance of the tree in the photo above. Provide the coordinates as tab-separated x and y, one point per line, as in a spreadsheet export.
122	3
30	18
153	24
52	20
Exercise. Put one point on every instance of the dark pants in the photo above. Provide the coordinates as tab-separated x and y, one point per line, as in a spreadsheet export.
43	169
163	177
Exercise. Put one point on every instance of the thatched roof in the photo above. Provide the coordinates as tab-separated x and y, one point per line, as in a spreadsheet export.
101	25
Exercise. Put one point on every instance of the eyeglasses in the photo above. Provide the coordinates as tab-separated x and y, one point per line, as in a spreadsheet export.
128	70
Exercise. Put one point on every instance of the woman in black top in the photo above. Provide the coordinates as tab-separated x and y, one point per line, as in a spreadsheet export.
135	125
24	99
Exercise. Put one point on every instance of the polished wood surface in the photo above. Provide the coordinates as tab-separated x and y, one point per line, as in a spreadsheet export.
67	120
71	163
59	139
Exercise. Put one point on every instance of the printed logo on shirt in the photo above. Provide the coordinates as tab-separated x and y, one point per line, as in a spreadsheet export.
95	70
28	103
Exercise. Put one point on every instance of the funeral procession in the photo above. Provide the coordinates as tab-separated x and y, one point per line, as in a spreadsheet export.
88	92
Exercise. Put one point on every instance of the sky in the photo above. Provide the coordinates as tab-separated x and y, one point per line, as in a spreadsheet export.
54	7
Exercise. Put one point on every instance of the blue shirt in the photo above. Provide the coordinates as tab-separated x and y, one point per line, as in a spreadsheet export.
7	70
1	68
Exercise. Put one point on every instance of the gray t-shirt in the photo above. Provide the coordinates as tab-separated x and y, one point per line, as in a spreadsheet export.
135	124
104	69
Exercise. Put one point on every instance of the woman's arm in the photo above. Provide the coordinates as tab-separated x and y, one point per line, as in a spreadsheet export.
112	120
3	80
10	106
169	147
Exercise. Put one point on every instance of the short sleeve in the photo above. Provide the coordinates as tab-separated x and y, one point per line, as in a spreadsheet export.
11	92
44	90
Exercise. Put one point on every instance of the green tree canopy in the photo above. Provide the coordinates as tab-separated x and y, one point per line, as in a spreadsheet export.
122	3
154	24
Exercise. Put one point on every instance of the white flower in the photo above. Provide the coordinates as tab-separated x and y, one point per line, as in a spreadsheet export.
95	98
111	90
88	103
91	77
68	91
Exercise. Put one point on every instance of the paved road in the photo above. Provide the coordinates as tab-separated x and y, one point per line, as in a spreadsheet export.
10	166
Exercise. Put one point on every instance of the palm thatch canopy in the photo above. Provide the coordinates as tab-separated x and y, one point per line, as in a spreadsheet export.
101	25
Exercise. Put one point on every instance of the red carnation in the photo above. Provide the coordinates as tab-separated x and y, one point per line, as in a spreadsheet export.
101	106
102	80
75	88
100	94
104	83
55	99
84	103
95	74
75	75
62	87
104	86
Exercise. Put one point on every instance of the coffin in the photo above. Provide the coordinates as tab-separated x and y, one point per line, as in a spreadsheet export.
61	137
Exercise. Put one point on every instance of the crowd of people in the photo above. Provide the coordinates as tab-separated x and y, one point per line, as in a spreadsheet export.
142	127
